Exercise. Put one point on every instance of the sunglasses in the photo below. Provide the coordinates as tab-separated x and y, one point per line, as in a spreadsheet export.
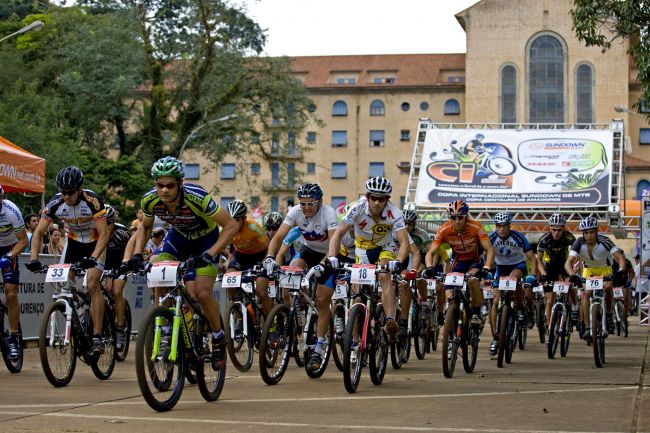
457	217
68	192
501	225
308	203
380	199
161	185
557	230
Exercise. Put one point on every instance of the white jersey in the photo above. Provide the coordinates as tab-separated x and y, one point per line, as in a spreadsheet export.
11	222
369	233
314	230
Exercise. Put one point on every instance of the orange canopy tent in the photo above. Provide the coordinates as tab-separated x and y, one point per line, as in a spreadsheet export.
20	171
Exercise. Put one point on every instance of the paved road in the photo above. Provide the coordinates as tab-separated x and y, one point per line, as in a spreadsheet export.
533	394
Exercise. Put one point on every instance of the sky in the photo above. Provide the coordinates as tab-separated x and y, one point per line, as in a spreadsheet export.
339	27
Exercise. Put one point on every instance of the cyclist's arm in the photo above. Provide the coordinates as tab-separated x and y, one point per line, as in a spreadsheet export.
37	237
431	258
21	244
142	234
279	257
229	229
489	252
533	263
335	239
276	242
620	258
128	249
104	237
404	246
541	267
568	265
417	256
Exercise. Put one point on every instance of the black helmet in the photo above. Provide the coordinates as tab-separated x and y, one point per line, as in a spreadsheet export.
272	220
110	214
69	178
310	190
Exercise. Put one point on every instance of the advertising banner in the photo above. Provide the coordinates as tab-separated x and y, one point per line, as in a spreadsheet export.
516	168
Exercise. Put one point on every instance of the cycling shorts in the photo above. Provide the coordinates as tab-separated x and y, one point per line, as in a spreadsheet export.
463	266
505	270
244	262
176	247
600	271
12	274
375	255
76	251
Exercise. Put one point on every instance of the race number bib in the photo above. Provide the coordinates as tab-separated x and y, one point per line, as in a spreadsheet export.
57	273
431	284
341	290
162	274
618	292
488	293
363	274
247	287
594	283
507	283
560	287
272	290
454	279
231	280
291	277
538	289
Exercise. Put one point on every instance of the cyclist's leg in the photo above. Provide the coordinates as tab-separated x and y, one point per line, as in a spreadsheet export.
11	280
96	299
120	302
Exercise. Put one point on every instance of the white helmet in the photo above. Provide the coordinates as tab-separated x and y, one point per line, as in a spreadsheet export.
379	185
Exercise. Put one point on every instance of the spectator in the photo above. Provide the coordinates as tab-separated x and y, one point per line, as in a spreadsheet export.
139	217
56	242
156	241
31	221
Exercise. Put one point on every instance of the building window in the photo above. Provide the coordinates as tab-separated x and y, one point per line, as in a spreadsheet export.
377	108
584	92
311	108
340	108
376	169
255	201
311	137
275	174
376	138
228	171
225	201
339	201
192	171
405	106
275	204
508	94
311	168
452	107
275	143
291	143
291	174
339	170
346	81
405	135
546	80
644	136
339	138
424	105
255	138
255	169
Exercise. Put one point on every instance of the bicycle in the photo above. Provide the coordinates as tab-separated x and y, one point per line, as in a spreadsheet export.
400	350
539	310
66	331
432	318
620	314
507	324
13	365
560	327
122	335
170	341
597	324
341	303
366	340
457	333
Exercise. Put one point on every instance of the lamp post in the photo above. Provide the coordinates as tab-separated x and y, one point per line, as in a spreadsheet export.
35	26
621	109
191	134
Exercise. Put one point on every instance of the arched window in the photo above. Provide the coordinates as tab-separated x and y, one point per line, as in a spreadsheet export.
546	80
584	92
377	108
508	103
340	108
642	188
452	107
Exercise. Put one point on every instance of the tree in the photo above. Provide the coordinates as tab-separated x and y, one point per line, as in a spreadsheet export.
601	22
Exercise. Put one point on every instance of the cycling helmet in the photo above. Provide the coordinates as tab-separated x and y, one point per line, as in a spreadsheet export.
588	223
557	219
410	216
168	166
272	220
69	178
458	207
110	214
310	190
502	218
237	209
379	185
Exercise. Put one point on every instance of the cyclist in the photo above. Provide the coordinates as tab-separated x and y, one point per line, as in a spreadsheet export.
376	222
597	253
317	223
271	223
84	215
467	239
194	219
511	251
13	241
552	252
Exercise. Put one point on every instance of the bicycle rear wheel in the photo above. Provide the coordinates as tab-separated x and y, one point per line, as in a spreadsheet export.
57	358
13	365
540	320
160	379
338	316
449	341
209	379
103	365
240	346
352	354
378	351
276	345
120	354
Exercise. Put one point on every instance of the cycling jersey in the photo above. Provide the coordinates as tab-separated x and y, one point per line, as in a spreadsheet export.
116	246
422	239
11	222
79	218
347	245
555	252
314	229
369	233
193	216
511	250
466	245
601	254
250	239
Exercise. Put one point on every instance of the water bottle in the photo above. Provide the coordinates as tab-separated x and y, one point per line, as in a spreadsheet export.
338	322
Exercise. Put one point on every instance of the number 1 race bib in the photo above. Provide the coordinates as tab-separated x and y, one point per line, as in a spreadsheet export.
162	274
57	273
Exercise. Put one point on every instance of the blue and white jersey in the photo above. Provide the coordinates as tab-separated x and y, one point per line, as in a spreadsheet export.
11	222
315	229
511	250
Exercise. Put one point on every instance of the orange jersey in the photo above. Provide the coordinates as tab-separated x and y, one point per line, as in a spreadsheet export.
251	238
465	245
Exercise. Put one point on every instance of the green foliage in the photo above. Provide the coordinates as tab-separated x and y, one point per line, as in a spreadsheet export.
601	22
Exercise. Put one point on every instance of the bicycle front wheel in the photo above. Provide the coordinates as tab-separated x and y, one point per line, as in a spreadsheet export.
470	349
565	337
378	351
554	333
420	335
103	365
434	330
597	340
57	358
504	339
312	338
160	379
209	379
276	345
240	346
540	319
449	341
352	354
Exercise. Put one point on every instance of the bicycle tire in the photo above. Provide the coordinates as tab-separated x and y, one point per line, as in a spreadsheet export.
104	364
209	379
503	334
276	345
338	312
60	371
420	336
240	347
596	330
449	342
434	332
120	355
315	374
161	381
540	319
565	338
298	342
522	336
470	349
378	348
512	330
554	333
13	365
352	354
